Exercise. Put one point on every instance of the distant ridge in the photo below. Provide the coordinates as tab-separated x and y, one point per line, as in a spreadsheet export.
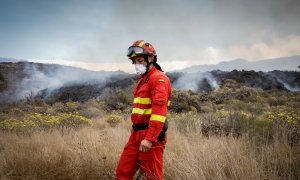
283	64
291	63
11	60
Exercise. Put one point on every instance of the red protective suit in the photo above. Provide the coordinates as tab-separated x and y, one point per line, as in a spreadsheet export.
151	97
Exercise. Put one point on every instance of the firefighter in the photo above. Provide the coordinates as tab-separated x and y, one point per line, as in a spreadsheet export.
152	95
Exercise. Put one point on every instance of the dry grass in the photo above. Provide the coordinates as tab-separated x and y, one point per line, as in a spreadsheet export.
194	157
93	152
88	153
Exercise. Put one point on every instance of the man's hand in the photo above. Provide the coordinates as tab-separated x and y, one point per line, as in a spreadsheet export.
145	145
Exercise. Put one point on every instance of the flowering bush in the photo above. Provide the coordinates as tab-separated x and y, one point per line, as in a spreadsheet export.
114	119
45	121
285	117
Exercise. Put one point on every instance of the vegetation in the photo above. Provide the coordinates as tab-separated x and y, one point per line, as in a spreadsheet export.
235	132
1	77
114	119
117	99
184	101
2	82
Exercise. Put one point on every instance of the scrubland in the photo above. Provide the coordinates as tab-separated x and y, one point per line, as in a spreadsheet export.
231	133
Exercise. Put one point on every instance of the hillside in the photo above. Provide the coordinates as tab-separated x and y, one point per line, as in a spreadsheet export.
73	123
11	60
62	83
282	64
25	79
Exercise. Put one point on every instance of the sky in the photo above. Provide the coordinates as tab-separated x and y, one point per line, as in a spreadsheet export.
95	34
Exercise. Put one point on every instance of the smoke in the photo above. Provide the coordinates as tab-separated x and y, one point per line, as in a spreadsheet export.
290	80
26	80
197	82
289	87
38	77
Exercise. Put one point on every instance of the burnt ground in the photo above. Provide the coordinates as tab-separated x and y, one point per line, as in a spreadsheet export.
12	76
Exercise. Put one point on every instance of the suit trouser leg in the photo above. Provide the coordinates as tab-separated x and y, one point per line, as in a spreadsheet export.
128	163
151	163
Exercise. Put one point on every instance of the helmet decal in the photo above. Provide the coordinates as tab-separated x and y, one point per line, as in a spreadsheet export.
141	43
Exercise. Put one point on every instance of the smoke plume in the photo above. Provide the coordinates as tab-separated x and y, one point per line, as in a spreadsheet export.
34	78
197	82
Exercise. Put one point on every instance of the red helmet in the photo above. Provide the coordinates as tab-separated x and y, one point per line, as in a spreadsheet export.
140	47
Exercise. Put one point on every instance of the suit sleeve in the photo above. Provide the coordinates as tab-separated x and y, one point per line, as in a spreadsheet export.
159	99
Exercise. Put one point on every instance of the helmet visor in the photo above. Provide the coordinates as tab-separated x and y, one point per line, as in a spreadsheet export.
135	50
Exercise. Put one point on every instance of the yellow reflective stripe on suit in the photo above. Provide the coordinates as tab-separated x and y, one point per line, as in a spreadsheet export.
142	100
169	103
141	111
155	117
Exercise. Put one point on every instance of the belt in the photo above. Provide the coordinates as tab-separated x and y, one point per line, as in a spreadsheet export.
142	126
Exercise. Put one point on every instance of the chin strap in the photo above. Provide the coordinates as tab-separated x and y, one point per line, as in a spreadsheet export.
148	64
154	62
157	65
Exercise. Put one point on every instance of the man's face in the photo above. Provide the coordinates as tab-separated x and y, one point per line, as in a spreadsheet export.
139	60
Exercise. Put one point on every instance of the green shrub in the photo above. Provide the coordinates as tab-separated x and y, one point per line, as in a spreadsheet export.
73	120
2	77
184	101
14	112
45	121
91	112
40	109
72	106
187	122
59	107
260	130
118	99
65	107
239	120
92	109
285	117
114	119
207	107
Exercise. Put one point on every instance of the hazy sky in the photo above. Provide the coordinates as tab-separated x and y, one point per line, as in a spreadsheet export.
95	34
